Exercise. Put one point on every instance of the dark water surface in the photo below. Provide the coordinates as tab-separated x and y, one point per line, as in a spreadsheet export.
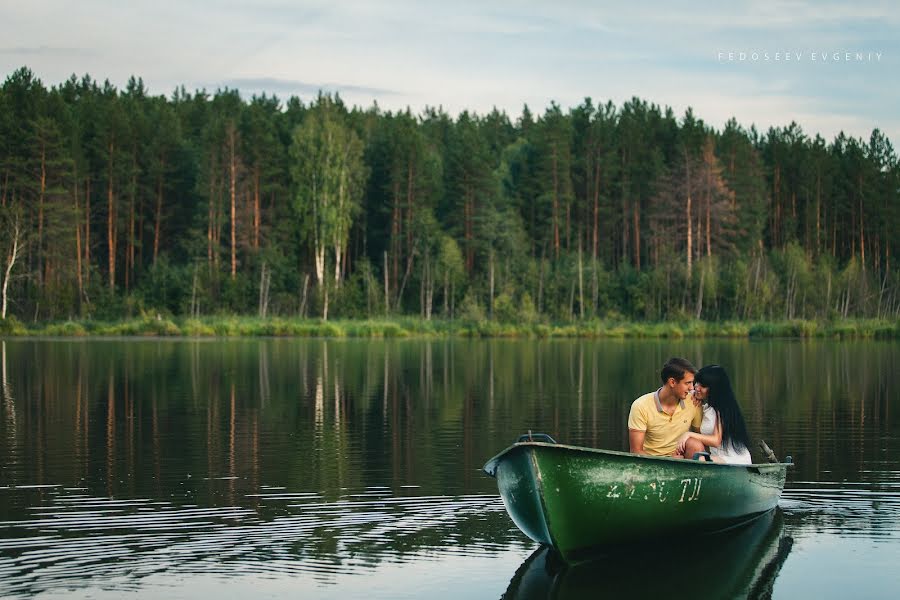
345	469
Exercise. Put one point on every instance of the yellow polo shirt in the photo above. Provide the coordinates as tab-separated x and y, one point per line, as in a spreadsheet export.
662	430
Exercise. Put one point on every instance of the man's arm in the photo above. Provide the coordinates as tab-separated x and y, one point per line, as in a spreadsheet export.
714	440
636	441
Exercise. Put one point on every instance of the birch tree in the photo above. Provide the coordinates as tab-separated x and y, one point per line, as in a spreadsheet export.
328	175
12	237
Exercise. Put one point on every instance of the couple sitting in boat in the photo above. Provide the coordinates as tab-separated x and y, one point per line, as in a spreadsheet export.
694	411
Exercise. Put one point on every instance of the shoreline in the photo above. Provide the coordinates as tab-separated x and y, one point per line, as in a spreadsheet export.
408	327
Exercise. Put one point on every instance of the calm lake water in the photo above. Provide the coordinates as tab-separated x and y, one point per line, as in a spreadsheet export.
344	469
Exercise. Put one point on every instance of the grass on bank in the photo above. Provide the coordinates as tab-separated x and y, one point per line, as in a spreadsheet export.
237	326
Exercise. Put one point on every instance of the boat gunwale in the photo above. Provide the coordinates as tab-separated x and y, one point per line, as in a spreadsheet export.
490	467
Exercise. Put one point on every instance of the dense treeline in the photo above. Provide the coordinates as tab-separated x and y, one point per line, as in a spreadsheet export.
117	202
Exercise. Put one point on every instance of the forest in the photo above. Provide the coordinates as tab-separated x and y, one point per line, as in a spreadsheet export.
117	203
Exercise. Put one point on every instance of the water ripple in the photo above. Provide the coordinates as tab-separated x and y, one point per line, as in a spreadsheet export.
851	509
78	540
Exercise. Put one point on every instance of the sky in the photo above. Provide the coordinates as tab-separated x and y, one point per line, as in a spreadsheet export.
829	66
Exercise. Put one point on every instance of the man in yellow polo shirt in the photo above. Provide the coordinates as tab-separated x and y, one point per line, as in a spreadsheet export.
658	419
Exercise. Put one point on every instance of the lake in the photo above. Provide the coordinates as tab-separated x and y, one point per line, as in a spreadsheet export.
271	468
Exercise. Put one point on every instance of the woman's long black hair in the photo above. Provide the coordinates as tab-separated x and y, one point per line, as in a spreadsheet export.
721	397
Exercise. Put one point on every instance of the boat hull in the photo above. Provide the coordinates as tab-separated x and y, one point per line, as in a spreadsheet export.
579	500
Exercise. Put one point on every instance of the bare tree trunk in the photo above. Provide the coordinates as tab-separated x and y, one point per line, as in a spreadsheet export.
233	182
881	294
491	284
409	266
469	211
395	237
211	216
555	205
256	210
572	300
708	202
625	209
422	283
338	261
129	255
10	262
78	243
698	238
87	230
700	294
429	295
834	235
862	233
452	302
111	221
596	238
195	308
387	301
446	294
264	280
426	287
540	294
776	200
158	224
636	216
818	211
410	207
580	282
139	236
303	296
42	191
687	168
346	264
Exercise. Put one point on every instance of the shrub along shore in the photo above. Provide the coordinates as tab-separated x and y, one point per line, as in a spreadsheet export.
237	326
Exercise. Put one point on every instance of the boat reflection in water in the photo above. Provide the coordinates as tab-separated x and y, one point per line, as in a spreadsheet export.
741	563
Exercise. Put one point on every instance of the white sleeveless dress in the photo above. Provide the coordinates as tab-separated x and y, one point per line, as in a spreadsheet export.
728	453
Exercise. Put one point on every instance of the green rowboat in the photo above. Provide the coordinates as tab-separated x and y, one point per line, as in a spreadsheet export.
580	500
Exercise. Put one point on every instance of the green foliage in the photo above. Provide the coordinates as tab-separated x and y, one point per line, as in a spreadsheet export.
505	309
12	326
349	300
197	328
471	309
166	287
137	206
527	312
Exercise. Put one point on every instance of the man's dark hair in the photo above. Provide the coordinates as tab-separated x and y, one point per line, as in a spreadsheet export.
676	367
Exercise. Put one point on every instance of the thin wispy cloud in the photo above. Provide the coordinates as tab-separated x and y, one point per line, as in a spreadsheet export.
293	87
44	51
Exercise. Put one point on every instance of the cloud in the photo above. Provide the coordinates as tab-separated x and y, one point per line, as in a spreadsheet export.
289	87
474	56
45	51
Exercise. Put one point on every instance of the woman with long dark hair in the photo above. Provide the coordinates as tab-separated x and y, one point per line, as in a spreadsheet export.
723	429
